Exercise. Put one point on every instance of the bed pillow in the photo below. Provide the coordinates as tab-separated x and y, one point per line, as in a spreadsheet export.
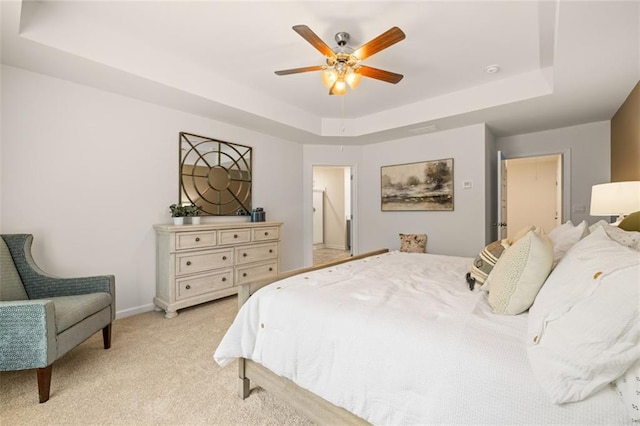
626	238
583	330
565	236
413	243
628	386
516	279
631	222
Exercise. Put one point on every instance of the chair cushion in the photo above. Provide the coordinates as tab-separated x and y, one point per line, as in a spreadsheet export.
11	287
70	310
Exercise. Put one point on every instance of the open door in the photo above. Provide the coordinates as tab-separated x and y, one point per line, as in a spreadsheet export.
533	193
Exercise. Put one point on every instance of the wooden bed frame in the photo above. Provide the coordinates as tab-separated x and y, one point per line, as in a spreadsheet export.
307	403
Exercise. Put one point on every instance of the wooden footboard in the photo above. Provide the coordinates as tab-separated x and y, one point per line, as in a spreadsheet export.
307	403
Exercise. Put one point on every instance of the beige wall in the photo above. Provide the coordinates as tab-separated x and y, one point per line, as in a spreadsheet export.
625	139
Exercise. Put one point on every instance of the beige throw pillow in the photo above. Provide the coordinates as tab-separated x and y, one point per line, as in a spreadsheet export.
413	243
516	279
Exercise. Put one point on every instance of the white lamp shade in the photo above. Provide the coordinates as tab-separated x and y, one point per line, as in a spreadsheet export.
616	198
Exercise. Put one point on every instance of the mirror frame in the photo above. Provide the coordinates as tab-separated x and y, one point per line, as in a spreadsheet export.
219	180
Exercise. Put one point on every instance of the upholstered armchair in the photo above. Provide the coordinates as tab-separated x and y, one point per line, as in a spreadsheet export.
43	317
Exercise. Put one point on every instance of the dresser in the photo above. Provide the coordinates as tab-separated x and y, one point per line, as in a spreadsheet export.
199	263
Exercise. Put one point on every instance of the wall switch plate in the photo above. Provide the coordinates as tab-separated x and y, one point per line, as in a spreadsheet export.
467	184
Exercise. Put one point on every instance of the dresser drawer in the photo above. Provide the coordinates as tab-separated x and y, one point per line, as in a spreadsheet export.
265	234
190	263
256	253
248	273
201	284
190	240
234	236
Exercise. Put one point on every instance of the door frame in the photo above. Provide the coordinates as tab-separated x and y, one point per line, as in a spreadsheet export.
308	209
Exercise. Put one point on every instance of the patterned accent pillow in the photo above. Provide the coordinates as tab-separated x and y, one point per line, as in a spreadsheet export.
626	238
413	243
485	261
515	281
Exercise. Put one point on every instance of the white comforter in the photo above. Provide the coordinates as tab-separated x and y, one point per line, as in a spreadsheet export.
400	339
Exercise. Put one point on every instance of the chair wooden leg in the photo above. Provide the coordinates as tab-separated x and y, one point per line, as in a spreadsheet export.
106	336
44	382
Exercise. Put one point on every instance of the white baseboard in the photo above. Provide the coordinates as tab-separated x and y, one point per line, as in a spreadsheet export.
134	311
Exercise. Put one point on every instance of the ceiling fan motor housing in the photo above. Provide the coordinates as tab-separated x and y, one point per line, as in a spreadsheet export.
342	38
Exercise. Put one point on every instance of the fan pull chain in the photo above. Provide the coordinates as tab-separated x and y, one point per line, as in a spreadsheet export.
342	122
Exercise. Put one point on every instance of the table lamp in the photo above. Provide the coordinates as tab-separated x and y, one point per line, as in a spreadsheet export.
615	199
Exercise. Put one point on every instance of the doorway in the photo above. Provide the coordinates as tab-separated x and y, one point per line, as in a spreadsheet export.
531	193
332	217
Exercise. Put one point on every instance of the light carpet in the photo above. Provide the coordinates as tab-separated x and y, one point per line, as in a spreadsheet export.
158	371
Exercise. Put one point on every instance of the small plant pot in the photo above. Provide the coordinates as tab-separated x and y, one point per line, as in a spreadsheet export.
178	220
195	220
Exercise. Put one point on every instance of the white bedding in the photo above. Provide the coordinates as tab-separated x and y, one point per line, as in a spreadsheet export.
400	339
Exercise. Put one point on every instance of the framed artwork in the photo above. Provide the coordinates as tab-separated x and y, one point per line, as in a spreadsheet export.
424	186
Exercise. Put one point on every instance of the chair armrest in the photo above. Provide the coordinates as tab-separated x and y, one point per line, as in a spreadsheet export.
27	334
43	286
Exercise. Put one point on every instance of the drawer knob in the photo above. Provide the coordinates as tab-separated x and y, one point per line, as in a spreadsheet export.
197	239
244	274
270	269
244	254
188	287
270	250
224	279
235	235
188	262
224	257
266	233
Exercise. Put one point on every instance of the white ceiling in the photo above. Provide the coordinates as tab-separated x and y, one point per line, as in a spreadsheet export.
561	63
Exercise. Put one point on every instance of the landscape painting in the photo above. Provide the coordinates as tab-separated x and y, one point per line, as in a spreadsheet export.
427	185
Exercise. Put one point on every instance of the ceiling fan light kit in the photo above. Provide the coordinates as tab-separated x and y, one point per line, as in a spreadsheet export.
343	63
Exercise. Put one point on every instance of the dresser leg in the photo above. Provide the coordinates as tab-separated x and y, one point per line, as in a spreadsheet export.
170	314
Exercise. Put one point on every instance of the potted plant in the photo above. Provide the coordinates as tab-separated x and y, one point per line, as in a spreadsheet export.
193	212
178	212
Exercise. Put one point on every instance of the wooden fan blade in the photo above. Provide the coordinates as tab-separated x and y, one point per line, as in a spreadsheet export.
298	70
378	74
311	37
379	43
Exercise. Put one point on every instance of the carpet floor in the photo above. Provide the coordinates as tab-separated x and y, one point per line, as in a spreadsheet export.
158	371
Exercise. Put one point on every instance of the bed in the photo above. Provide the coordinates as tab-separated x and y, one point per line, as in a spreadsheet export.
395	338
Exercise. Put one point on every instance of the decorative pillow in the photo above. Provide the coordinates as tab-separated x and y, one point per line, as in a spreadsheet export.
413	243
626	238
565	236
516	279
485	261
631	222
628	386
583	326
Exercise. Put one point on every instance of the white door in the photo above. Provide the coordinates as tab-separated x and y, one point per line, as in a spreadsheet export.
318	216
534	192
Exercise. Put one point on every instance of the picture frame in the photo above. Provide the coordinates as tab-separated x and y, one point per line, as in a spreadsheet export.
420	186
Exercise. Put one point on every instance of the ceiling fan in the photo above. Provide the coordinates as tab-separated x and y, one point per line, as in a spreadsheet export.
343	63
